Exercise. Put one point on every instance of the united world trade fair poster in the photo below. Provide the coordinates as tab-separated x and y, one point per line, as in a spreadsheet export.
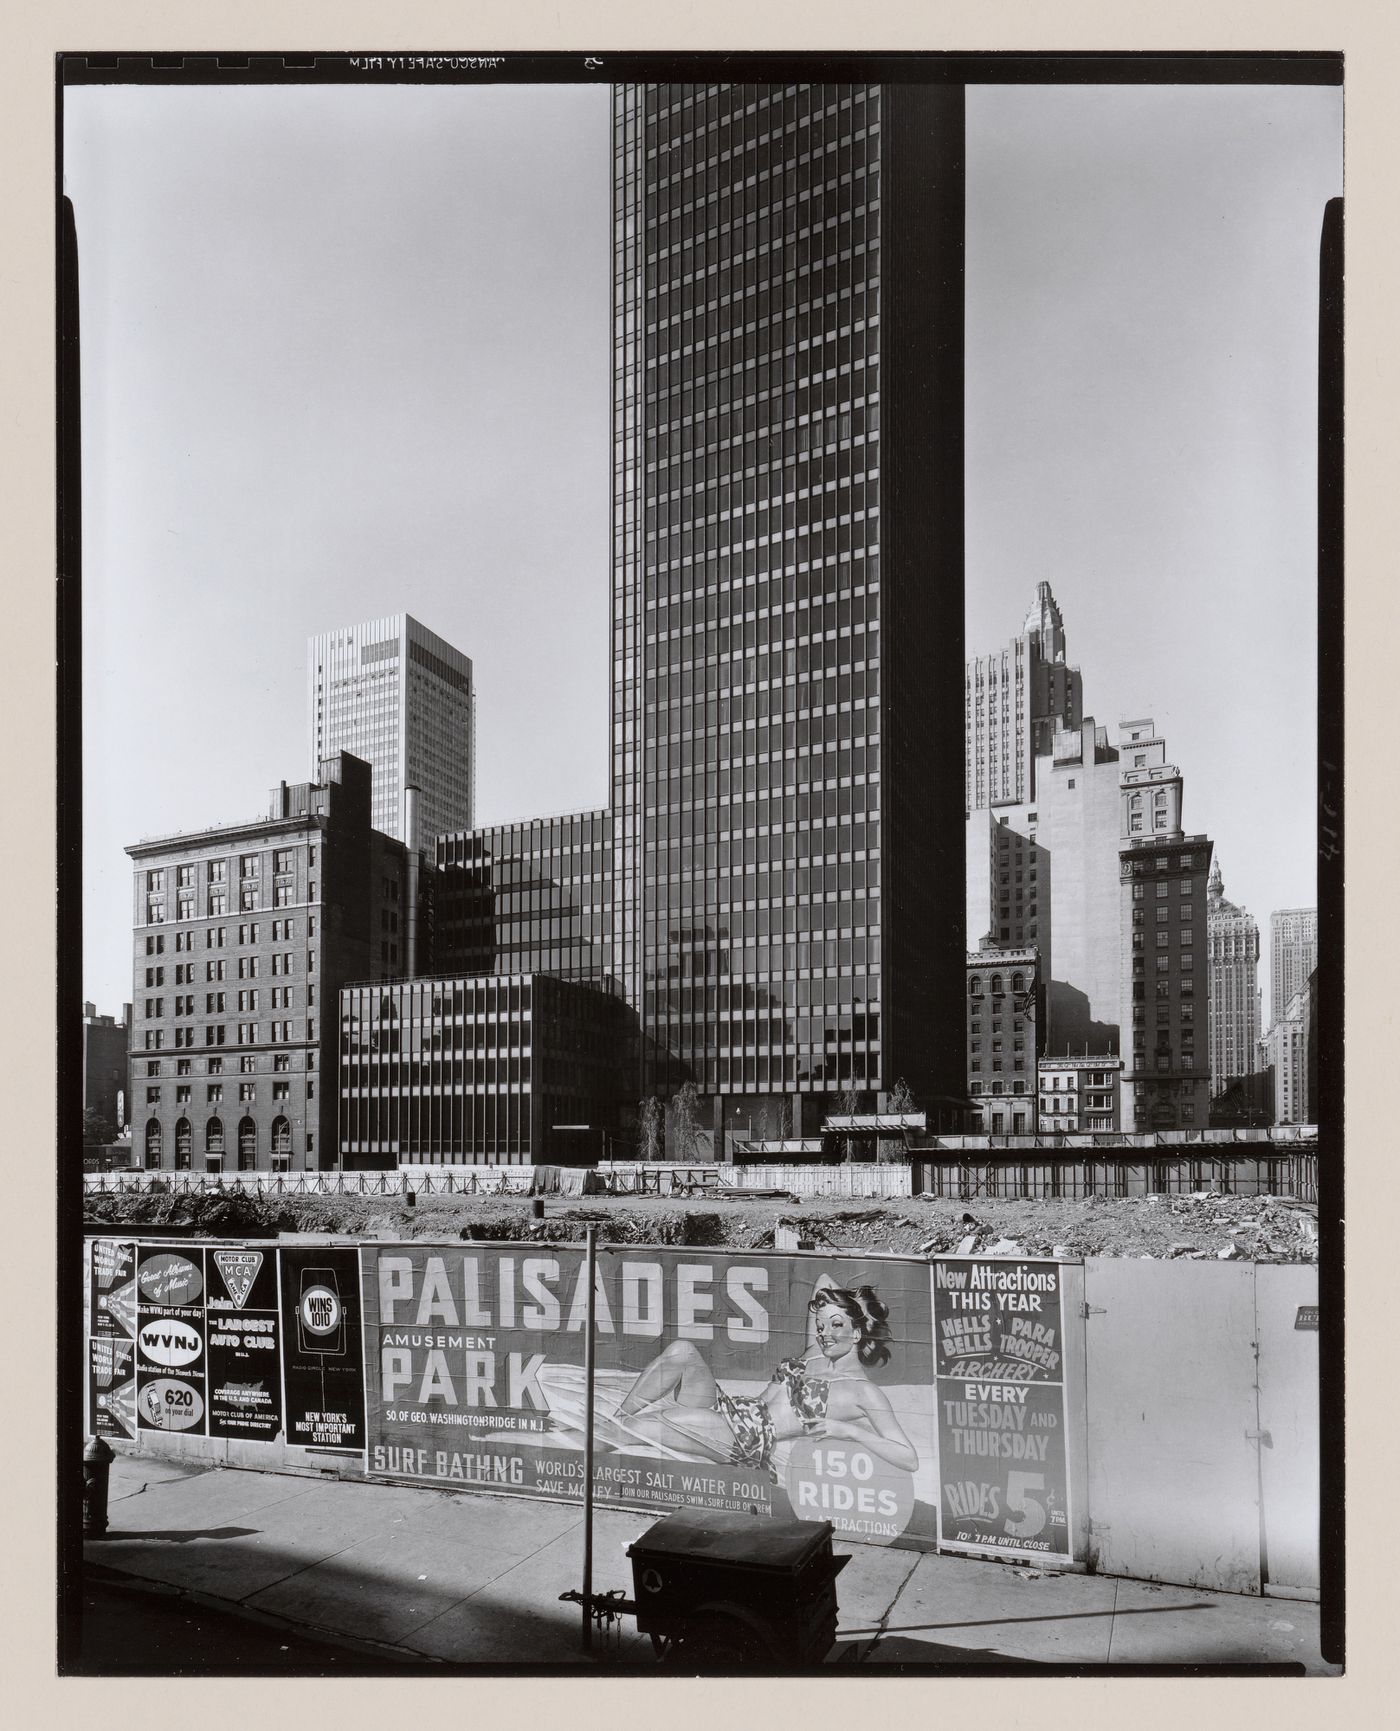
112	1338
726	1382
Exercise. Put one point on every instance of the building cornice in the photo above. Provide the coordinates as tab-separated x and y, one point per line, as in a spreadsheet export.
225	835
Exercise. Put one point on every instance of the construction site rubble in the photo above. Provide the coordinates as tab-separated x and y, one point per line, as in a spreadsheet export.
1206	1226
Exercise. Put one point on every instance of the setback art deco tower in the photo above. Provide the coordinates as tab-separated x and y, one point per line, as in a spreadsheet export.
1233	938
1292	956
1017	700
787	592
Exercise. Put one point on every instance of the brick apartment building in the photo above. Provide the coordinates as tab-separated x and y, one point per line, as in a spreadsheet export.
243	936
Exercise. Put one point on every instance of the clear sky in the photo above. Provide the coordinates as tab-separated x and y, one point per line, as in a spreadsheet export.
346	351
1142	428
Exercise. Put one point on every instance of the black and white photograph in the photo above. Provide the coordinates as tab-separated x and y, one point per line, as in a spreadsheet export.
700	838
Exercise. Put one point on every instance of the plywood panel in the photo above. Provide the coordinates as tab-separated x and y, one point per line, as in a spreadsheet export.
1288	1419
1172	1410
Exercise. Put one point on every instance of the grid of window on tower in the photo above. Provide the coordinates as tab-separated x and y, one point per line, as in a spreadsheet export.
1016	885
1001	1033
1165	917
758	534
444	1068
406	710
528	897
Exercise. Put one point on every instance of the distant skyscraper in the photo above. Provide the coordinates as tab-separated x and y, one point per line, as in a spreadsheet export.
787	589
1015	700
397	696
1045	871
1233	941
1074	825
1292	956
1041	786
1286	1054
1166	1077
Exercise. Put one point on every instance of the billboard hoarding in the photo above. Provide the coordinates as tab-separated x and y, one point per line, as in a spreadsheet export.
724	1381
111	1387
170	1338
323	1372
999	1350
112	1288
243	1333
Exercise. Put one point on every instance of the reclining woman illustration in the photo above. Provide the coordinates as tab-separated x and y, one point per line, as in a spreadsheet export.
825	1393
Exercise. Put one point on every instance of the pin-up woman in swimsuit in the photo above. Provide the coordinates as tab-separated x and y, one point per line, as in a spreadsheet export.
824	1393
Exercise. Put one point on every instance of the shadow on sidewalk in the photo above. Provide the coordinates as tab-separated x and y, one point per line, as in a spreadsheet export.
902	1651
1047	1617
141	1629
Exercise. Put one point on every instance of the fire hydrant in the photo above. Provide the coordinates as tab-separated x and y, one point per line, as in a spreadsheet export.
97	1465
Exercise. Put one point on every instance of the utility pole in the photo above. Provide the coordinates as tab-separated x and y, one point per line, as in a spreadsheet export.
591	1265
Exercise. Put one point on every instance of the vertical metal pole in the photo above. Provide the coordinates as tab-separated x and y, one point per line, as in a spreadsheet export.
591	1265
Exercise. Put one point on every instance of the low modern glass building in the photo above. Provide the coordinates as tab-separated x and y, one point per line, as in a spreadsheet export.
512	1069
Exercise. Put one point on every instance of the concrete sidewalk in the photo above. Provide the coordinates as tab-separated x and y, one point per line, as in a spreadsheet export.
428	1576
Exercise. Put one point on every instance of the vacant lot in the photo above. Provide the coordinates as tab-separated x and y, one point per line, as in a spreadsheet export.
1264	1229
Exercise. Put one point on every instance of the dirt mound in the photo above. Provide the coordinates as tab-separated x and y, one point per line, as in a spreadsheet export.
1201	1227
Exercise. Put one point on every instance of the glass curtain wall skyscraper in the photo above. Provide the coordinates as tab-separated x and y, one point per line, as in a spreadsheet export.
402	698
788	590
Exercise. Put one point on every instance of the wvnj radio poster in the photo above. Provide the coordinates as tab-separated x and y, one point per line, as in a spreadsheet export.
782	1385
171	1358
323	1364
999	1340
245	1382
